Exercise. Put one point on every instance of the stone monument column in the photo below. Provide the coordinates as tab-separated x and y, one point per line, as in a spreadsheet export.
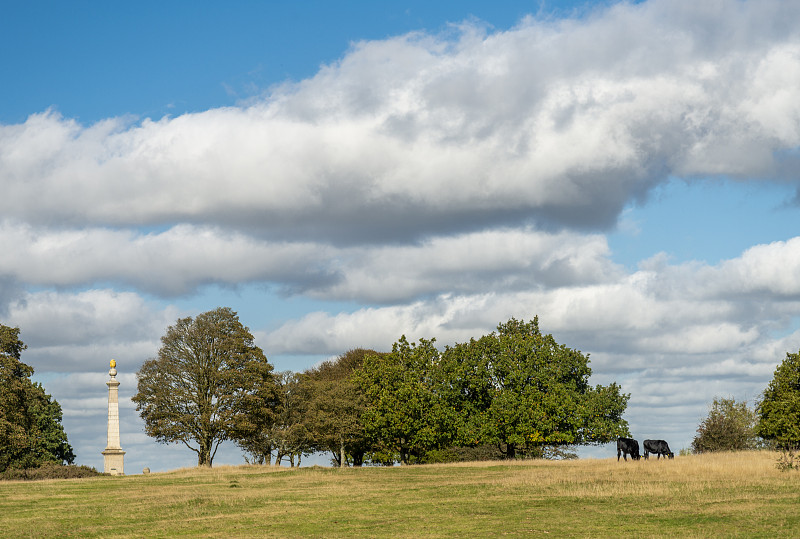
113	456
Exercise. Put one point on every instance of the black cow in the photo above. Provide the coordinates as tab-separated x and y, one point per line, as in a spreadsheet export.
627	446
659	447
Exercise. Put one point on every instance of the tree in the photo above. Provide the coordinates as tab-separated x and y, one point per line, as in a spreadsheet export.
523	391
516	389
209	383
31	433
289	436
779	409
335	407
730	426
402	415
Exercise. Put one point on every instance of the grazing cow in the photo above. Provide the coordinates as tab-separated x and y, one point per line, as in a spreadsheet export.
659	447
627	446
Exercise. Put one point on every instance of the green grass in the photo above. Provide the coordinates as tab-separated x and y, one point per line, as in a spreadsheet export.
723	495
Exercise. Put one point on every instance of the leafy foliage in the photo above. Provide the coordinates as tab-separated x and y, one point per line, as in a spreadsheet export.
523	391
209	383
779	409
31	433
289	436
730	426
402	415
335	407
515	389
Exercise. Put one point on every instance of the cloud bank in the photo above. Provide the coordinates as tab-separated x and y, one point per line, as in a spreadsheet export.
551	122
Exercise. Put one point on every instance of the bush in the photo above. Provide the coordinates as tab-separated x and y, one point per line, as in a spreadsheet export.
49	470
492	452
789	460
730	426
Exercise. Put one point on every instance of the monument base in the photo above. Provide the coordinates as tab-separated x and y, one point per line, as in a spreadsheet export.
113	461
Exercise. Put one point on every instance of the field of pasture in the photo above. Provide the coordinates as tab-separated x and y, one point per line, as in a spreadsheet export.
716	495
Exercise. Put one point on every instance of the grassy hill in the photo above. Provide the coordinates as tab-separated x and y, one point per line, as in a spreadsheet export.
719	495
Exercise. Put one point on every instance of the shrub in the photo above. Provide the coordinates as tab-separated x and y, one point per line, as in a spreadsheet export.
789	460
49	470
492	452
730	426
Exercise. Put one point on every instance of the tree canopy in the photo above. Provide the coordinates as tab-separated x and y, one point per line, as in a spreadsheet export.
779	409
515	388
402	415
521	390
31	433
289	435
209	383
335	407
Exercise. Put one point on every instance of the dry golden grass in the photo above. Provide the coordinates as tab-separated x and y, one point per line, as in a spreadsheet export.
720	495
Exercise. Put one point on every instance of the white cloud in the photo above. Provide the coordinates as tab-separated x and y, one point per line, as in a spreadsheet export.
491	260
420	135
767	270
683	314
175	261
68	332
183	258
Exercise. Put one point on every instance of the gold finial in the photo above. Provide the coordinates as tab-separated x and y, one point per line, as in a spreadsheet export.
113	364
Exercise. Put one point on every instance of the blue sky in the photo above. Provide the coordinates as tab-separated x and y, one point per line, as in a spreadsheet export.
344	173
94	60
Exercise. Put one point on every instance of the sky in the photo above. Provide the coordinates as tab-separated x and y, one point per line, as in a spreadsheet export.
344	173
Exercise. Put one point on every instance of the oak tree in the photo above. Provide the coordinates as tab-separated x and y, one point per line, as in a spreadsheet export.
401	415
288	435
209	383
335	407
520	389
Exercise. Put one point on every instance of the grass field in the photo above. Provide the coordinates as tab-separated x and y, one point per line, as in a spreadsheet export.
721	495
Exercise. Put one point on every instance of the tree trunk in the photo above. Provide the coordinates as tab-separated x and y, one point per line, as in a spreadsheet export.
204	454
511	451
341	453
358	459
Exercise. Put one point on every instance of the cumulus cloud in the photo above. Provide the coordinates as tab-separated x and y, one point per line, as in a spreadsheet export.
548	122
765	270
690	318
171	262
68	332
498	260
181	259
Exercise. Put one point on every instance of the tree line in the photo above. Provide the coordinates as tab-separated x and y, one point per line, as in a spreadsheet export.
513	393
